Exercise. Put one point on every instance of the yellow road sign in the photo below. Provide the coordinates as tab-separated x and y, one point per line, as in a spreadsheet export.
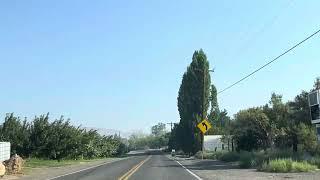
204	126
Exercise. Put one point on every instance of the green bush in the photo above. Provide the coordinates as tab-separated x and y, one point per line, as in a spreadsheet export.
230	157
270	161
199	155
58	139
216	155
315	161
303	167
259	158
246	160
283	154
209	154
277	165
287	165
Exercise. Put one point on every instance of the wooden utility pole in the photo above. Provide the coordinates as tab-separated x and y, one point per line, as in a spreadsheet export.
171	125
203	106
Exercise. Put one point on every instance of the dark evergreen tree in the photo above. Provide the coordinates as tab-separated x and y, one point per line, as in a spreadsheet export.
193	101
214	111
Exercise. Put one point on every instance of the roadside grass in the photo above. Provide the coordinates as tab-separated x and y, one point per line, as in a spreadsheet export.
42	163
34	163
269	160
209	154
287	165
315	161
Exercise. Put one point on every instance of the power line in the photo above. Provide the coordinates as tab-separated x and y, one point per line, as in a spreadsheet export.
304	40
249	41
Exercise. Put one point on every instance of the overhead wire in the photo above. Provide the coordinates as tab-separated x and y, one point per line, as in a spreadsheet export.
249	41
273	60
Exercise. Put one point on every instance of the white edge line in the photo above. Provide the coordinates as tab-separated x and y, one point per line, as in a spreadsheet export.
83	169
193	174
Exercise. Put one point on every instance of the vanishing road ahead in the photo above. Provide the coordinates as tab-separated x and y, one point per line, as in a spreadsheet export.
152	165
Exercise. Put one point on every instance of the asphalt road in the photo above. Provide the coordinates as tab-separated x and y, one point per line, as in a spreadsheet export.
151	165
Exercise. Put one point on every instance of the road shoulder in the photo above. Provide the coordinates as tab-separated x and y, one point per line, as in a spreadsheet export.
214	169
47	173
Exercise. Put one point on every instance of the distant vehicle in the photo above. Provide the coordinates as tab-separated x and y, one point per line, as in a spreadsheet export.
173	152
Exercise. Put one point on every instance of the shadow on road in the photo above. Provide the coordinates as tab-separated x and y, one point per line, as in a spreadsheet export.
204	165
211	165
145	152
190	163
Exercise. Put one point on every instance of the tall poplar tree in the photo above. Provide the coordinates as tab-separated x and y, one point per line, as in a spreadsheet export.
193	101
214	110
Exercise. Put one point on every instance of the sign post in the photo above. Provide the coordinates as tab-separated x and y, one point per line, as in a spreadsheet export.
204	126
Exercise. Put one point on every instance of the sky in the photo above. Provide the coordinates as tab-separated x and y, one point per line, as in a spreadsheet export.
118	64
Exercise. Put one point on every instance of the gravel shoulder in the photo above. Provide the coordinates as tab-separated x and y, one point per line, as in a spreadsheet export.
50	172
217	170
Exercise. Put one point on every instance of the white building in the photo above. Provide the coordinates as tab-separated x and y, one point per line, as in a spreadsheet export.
214	143
4	151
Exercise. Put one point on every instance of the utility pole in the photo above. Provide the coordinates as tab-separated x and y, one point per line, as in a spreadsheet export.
203	106
203	103
171	125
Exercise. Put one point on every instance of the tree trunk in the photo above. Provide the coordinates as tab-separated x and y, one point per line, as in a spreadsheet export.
295	144
232	147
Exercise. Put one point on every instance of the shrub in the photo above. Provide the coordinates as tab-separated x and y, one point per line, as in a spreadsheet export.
199	155
283	154
246	160
259	158
217	154
209	154
317	150
315	161
287	165
277	165
303	167
230	157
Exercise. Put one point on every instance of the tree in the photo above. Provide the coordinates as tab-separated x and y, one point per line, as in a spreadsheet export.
39	134
251	130
138	141
158	129
221	124
17	133
57	140
299	113
224	118
175	139
277	111
278	114
193	101
307	137
299	109
214	117
316	84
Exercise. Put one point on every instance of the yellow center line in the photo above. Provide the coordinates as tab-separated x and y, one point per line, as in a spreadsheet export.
133	170
134	167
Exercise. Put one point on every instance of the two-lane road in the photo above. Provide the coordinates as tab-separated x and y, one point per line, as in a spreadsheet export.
160	167
151	166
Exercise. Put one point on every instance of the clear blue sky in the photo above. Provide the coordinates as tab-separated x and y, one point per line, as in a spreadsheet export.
118	64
